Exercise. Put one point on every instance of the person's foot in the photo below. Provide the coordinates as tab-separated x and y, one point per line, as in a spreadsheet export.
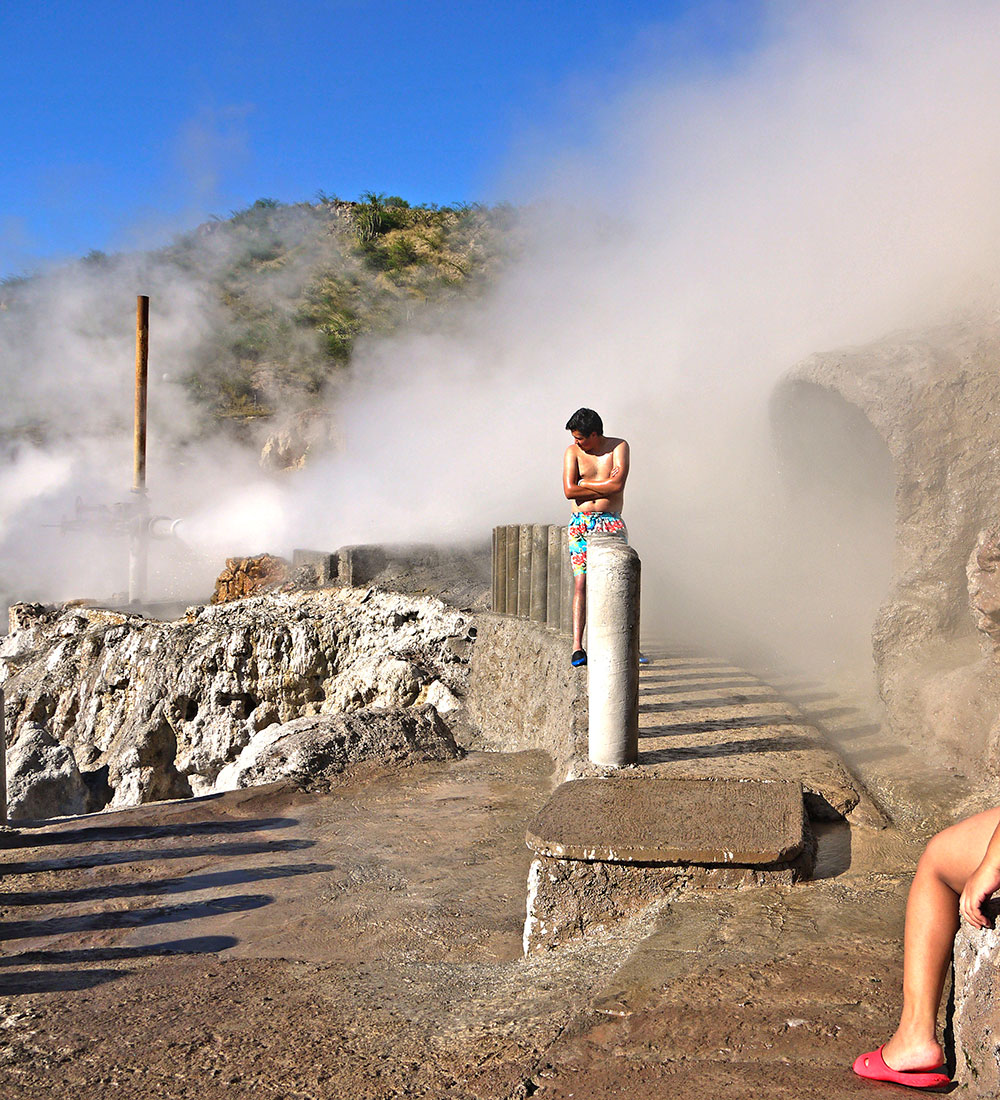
912	1055
643	659
873	1067
579	658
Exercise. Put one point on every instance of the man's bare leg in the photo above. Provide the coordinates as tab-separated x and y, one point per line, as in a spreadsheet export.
931	923
579	610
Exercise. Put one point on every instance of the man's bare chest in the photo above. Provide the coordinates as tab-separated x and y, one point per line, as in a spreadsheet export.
596	467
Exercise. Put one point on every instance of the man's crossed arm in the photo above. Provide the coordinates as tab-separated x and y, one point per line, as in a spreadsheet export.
576	488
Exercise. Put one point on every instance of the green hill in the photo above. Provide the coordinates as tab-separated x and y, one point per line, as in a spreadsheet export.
300	284
278	296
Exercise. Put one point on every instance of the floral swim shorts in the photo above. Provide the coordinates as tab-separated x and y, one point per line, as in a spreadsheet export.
584	524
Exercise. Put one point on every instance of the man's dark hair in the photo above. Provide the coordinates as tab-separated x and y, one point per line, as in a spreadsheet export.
585	421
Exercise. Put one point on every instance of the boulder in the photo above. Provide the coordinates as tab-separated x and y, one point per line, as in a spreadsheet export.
948	696
42	777
976	1020
312	749
244	577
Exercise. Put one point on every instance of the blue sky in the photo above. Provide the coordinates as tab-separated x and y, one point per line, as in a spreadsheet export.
121	124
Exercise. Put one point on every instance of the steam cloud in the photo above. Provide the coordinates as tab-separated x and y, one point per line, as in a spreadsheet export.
839	183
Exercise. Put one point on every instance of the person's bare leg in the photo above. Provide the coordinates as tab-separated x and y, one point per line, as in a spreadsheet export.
579	610
931	924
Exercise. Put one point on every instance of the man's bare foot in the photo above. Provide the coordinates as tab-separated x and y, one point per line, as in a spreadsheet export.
904	1054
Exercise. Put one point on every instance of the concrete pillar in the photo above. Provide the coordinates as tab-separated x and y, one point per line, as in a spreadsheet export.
613	651
566	578
3	761
500	569
524	571
511	579
539	571
554	576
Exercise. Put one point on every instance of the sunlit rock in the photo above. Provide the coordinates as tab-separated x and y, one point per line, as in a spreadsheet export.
164	707
244	577
42	777
312	749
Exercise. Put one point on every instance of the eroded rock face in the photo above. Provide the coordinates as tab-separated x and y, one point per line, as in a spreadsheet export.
165	706
42	777
310	750
918	405
983	574
923	395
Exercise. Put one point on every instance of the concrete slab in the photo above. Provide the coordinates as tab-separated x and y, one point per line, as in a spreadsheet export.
687	821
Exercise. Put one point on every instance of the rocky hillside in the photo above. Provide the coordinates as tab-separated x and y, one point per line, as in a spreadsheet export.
257	313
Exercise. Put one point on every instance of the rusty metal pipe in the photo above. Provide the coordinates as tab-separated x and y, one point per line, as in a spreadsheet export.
141	378
139	539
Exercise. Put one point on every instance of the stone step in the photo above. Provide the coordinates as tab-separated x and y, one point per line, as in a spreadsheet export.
607	847
752	823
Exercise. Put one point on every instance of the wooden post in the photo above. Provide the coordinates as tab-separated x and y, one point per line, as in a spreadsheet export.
566	604
500	569
513	549
554	576
538	589
3	761
524	531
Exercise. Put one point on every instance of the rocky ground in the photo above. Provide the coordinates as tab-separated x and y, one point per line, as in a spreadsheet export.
366	942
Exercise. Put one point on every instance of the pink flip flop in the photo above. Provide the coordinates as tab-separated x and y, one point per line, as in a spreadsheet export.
872	1066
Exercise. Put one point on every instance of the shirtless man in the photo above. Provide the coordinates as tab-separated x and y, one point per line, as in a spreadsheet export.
594	471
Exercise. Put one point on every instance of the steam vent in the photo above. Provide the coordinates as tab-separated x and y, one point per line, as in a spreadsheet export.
893	449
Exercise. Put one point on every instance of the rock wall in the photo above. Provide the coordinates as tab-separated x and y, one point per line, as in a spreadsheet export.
976	1020
523	693
917	412
158	709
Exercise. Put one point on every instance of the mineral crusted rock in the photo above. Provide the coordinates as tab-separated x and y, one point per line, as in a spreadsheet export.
42	777
163	707
312	749
244	577
977	1009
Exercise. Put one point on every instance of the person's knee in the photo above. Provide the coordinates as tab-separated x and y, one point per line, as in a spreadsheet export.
935	857
580	583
